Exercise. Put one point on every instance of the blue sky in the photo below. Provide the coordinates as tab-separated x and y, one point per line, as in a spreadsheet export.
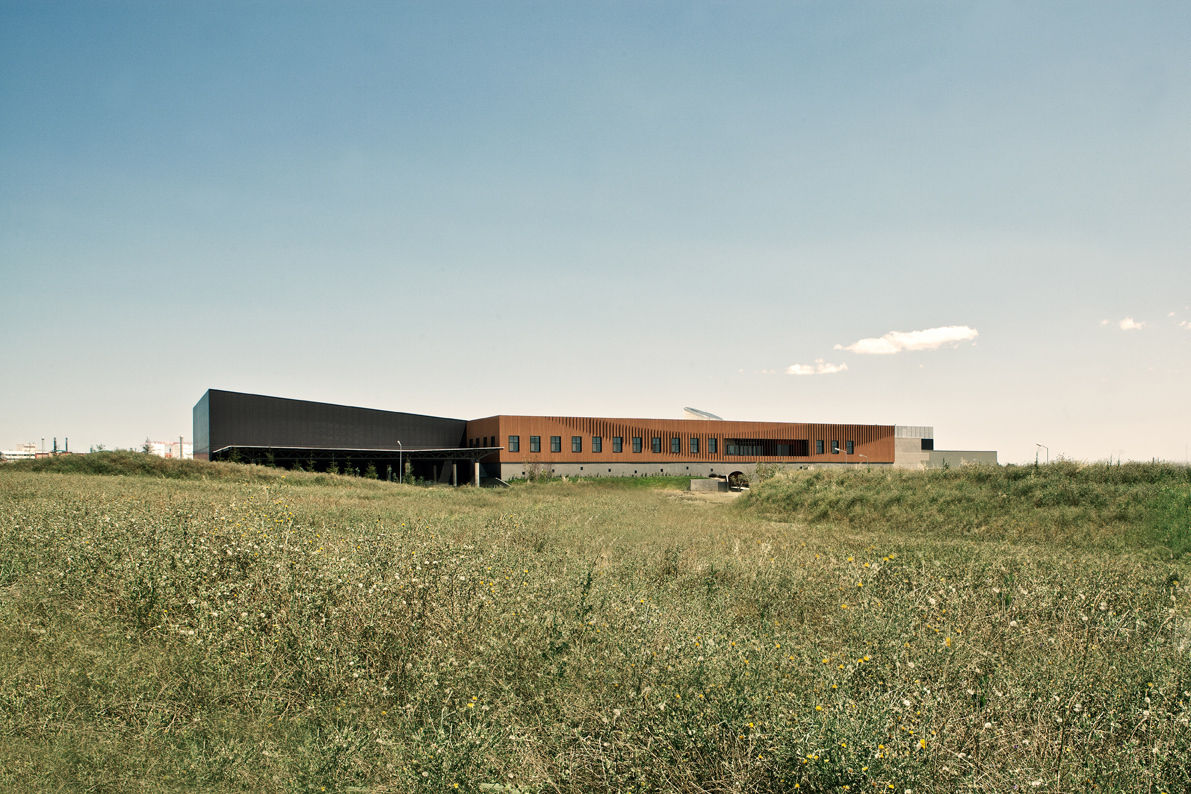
603	208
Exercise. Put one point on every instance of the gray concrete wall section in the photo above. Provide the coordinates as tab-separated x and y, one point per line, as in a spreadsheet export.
908	454
940	458
712	484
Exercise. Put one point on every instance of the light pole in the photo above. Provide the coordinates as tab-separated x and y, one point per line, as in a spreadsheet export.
1047	454
400	468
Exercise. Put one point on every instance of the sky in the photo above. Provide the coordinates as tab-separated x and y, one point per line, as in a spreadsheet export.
967	215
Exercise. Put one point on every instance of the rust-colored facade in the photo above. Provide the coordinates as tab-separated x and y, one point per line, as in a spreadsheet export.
622	447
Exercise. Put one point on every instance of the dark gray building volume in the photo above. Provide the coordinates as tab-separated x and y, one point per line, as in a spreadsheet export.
255	428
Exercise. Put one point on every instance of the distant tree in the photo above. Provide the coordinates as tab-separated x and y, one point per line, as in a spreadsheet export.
147	447
370	472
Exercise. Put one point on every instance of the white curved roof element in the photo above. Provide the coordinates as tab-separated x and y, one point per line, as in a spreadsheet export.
695	413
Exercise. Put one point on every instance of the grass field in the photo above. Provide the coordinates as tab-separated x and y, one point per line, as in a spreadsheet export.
219	627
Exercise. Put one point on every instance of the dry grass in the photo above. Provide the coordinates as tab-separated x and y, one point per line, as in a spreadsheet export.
280	634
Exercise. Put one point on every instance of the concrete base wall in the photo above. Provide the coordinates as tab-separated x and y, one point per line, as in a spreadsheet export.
961	457
712	485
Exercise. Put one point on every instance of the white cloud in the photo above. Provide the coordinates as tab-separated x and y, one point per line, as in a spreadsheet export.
1129	324
1185	324
900	341
1104	322
820	367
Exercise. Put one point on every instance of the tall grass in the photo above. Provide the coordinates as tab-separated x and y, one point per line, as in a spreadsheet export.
282	635
1128	506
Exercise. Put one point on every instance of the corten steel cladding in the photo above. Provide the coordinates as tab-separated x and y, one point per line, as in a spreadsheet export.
773	442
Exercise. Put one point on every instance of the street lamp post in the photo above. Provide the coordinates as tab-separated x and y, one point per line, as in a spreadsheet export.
400	468
1043	446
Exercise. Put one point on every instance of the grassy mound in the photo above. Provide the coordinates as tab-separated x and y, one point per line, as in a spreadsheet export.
139	464
126	463
1093	506
224	634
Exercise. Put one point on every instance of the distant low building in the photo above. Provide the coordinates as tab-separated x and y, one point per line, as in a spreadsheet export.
183	450
23	452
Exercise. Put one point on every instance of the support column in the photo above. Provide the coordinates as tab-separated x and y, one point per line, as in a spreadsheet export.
454	474
475	473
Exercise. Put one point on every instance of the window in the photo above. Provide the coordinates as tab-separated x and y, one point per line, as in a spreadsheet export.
556	443
535	443
744	446
834	447
819	447
655	445
636	443
597	444
675	446
514	443
850	447
576	443
928	444
713	446
618	443
694	446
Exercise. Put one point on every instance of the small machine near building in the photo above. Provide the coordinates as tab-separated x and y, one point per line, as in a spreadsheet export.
322	436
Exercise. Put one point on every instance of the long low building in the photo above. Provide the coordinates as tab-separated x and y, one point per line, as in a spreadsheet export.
322	436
